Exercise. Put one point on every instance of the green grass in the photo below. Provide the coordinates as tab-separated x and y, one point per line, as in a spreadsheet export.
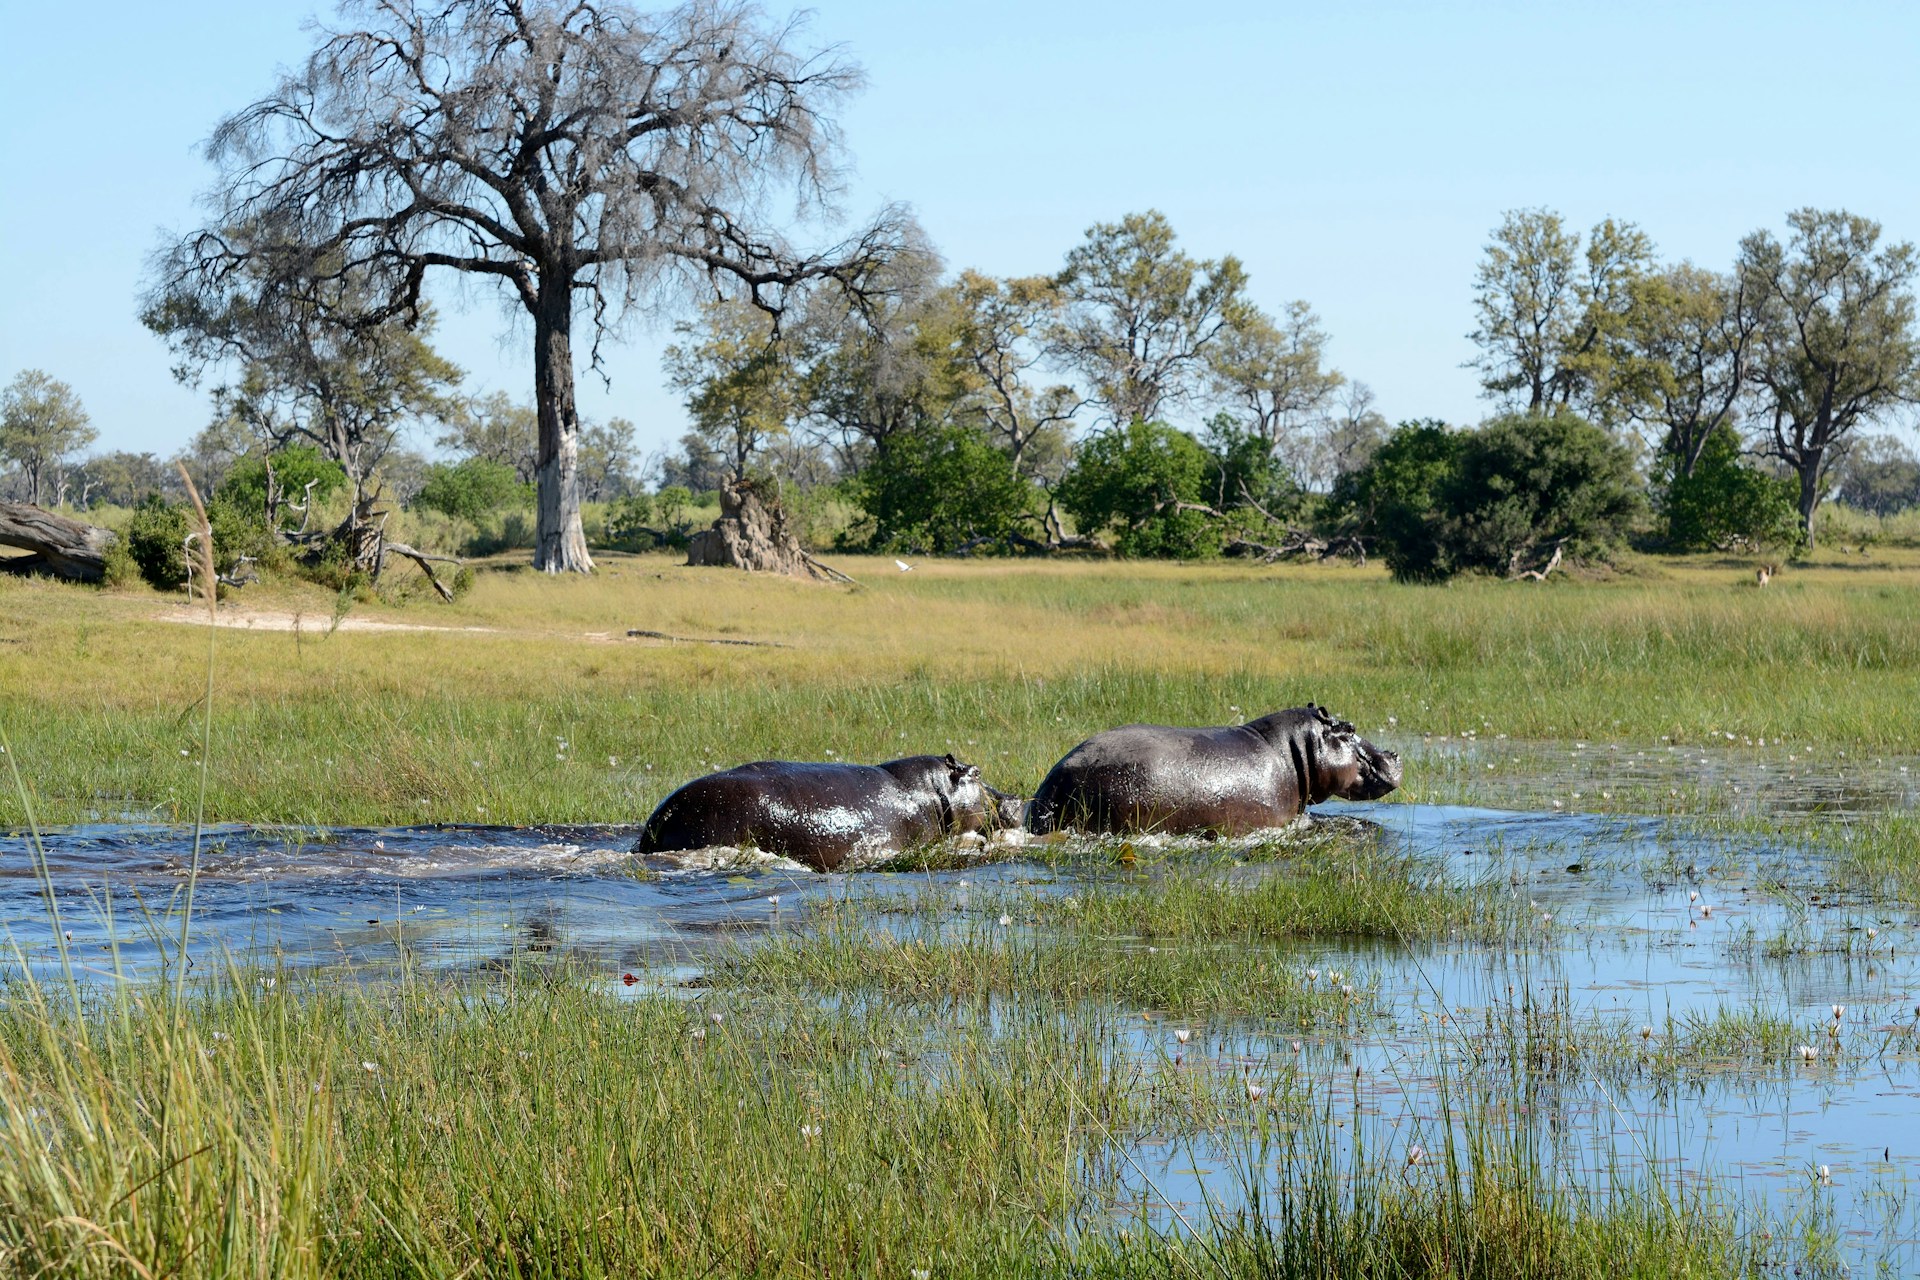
537	1126
548	712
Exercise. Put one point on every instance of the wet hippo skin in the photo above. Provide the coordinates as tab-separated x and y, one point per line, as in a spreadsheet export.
827	815
1224	781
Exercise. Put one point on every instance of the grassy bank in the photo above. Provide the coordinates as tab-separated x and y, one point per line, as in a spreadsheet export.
527	701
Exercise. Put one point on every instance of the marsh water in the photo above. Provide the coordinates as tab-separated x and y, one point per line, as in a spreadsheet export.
1662	886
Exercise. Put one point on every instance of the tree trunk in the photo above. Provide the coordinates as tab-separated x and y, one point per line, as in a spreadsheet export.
63	547
1809	495
560	542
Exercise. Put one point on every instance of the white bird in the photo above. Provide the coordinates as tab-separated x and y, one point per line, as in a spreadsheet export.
903	566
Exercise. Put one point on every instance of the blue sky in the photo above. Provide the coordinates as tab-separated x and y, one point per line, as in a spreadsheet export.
1355	155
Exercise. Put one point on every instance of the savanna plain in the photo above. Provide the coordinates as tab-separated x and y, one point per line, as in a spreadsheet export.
1620	978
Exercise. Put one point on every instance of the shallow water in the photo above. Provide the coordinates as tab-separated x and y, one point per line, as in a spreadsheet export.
1613	946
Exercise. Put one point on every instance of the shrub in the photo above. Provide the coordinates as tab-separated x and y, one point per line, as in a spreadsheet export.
1129	483
154	541
1523	483
1725	503
244	488
1395	498
471	489
938	488
1491	500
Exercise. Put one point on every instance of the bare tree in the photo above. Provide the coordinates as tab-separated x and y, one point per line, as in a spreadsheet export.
1834	343
1141	315
562	149
42	425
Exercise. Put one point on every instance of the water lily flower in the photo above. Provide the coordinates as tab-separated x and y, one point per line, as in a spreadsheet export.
773	900
1706	910
1182	1035
1693	895
1839	1011
1808	1053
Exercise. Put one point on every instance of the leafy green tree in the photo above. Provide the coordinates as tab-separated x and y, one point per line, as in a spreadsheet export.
42	425
1146	485
939	488
1721	503
497	428
738	379
1834	340
314	365
1141	316
1397	500
471	489
1683	363
1000	336
121	478
1274	372
1881	475
1551	312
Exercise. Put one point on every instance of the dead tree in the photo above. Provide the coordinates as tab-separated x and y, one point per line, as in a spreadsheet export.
63	547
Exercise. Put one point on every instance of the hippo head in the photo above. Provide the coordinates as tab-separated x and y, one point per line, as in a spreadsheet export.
970	802
972	805
1335	760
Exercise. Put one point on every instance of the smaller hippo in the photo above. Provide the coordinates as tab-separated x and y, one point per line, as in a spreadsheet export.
829	815
1225	781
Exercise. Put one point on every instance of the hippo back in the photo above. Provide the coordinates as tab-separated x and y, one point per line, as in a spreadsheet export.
817	814
1160	778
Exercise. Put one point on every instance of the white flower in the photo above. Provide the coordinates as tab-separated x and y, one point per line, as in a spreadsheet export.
1254	1091
1808	1053
1826	1175
1182	1035
1693	895
773	900
1005	921
1346	991
1313	975
1872	933
1839	1011
1646	1032
1416	1154
809	1131
370	1067
1706	910
699	1033
717	1017
921	1273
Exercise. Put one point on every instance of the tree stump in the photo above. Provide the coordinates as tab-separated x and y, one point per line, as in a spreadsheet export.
62	546
750	534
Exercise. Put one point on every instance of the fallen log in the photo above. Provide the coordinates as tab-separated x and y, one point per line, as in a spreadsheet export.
61	545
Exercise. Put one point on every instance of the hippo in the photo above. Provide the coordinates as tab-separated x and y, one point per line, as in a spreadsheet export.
1225	781
827	816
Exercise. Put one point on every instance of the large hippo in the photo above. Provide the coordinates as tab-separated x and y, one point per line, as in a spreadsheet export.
827	815
1227	781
